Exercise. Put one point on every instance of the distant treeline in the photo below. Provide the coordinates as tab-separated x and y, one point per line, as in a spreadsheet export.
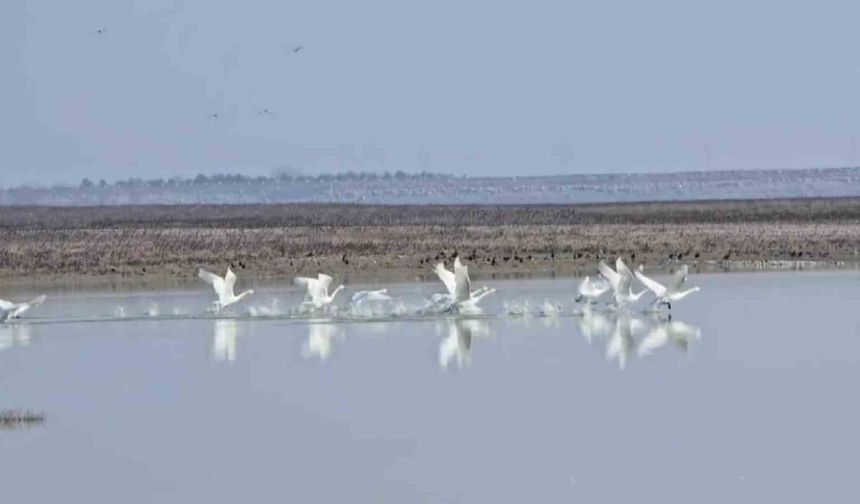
239	179
399	187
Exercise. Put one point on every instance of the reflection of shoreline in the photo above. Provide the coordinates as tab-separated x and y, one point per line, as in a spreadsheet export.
627	335
12	419
224	340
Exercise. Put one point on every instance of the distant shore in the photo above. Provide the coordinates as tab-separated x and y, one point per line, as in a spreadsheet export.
141	243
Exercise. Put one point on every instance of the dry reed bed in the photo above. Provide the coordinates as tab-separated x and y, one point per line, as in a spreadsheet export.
283	251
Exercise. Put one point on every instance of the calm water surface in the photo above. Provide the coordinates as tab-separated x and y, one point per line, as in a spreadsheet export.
747	394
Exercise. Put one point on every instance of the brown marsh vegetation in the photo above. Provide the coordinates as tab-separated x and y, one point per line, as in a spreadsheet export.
282	240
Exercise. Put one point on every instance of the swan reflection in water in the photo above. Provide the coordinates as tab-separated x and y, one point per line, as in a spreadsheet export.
457	346
319	342
14	335
627	335
668	331
224	340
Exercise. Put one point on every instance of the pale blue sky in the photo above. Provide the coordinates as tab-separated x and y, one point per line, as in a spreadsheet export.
482	87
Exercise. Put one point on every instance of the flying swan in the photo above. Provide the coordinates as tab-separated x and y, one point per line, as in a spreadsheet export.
621	280
591	290
223	288
317	289
667	294
15	310
459	286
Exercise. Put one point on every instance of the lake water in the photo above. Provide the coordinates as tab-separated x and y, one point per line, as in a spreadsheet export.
747	394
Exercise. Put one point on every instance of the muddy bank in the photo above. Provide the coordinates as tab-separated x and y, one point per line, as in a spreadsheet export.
381	241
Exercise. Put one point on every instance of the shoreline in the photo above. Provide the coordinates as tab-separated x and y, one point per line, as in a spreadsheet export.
165	245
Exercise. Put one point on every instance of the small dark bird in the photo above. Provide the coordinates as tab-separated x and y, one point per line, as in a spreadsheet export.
101	31
213	115
344	259
310	254
298	49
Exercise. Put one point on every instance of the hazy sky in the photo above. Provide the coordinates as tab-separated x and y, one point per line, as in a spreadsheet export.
474	87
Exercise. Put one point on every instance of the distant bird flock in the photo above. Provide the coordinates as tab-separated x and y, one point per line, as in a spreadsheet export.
458	296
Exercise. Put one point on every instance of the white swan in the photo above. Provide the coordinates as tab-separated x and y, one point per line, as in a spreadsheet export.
621	280
15	310
223	288
317	289
666	294
380	295
591	290
459	286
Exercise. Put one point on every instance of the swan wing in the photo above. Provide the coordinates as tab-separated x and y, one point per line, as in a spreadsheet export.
654	286
308	283
448	278
212	279
229	280
585	287
679	278
463	287
38	300
304	282
622	268
6	305
609	273
323	281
